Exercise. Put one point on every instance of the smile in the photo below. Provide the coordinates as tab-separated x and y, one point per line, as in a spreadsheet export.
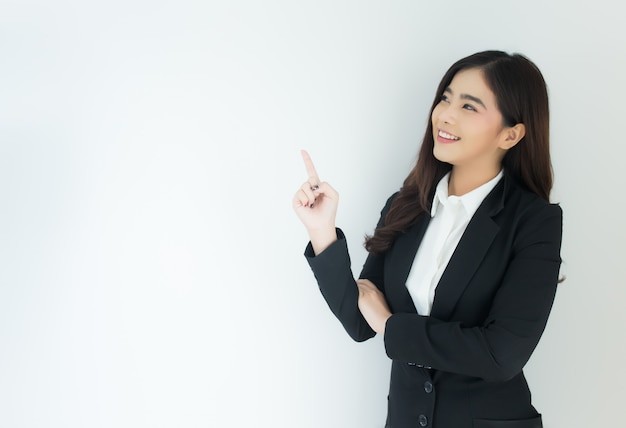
447	136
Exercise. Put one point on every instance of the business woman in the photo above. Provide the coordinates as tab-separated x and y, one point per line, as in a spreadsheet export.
464	262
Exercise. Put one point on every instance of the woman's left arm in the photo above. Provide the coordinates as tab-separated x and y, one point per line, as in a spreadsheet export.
500	347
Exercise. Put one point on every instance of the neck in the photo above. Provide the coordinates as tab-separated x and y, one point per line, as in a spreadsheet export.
463	181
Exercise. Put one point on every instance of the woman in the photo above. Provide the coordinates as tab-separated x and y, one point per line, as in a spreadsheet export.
463	265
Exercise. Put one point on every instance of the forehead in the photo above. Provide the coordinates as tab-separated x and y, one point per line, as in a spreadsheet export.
472	82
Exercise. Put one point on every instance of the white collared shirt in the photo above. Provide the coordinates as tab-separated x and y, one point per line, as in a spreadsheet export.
450	217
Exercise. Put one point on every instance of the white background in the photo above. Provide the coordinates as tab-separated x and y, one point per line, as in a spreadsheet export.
151	266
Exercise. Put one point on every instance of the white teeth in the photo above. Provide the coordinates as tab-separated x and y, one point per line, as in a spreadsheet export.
448	136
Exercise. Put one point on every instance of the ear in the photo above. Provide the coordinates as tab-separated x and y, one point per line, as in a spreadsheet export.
512	136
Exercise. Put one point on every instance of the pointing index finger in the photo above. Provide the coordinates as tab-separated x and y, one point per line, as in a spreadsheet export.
308	163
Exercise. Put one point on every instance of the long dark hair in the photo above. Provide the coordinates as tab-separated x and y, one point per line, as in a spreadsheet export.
522	97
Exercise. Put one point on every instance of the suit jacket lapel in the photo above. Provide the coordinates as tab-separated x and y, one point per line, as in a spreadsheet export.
469	253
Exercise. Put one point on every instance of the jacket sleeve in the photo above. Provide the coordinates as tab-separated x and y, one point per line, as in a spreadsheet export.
333	272
499	347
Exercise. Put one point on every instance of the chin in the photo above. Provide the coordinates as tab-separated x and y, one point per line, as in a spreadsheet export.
441	156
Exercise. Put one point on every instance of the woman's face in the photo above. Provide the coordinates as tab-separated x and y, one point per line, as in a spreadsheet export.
468	128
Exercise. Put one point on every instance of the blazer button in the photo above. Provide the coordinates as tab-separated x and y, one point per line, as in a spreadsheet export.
428	387
411	364
423	420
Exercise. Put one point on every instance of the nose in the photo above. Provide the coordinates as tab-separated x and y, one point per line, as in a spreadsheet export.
444	113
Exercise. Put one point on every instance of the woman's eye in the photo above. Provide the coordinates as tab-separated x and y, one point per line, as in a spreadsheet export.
443	98
469	107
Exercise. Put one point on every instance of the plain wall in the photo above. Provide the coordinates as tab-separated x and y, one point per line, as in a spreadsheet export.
151	265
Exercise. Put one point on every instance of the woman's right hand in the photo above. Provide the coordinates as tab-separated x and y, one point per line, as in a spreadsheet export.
315	203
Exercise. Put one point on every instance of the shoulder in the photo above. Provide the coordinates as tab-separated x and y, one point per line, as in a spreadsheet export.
525	204
530	218
390	200
385	210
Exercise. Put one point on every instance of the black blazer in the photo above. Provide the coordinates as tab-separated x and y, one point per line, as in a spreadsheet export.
462	365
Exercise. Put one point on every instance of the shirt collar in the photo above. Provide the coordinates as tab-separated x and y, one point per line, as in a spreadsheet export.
470	201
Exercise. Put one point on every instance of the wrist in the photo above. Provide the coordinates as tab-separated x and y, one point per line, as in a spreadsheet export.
386	318
322	238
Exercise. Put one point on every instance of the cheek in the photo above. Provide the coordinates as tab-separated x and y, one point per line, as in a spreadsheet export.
482	127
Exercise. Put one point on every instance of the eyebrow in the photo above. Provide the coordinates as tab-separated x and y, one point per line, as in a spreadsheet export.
468	97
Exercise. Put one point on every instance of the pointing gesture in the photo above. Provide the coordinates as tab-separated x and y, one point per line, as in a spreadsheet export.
308	164
315	203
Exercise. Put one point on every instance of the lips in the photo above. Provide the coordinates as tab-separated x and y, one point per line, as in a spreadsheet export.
445	137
